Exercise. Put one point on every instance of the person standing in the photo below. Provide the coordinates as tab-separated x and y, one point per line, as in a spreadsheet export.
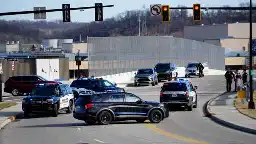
237	80
200	68
229	78
244	76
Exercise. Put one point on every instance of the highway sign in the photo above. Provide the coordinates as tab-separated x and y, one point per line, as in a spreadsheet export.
155	9
41	15
1	68
66	12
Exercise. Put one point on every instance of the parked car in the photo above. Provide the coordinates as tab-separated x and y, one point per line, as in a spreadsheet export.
166	71
98	85
18	85
180	92
107	107
146	76
49	98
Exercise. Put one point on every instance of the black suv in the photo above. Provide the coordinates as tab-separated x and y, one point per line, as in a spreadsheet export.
166	71
180	92
95	84
108	107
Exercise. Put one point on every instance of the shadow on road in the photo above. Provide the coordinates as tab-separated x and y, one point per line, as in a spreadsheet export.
79	124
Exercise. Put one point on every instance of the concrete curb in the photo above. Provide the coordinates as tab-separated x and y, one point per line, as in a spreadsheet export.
208	113
243	113
9	120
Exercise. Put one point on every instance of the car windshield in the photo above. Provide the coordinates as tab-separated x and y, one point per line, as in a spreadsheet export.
88	84
162	67
192	65
175	87
45	91
145	71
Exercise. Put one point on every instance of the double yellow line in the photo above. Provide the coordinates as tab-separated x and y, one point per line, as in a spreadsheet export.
175	136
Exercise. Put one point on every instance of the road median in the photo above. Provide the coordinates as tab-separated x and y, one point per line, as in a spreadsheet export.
221	110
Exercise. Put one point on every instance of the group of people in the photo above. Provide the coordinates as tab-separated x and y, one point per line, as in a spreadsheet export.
239	79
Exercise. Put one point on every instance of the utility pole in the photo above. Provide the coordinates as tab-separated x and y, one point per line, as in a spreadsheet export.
139	23
251	104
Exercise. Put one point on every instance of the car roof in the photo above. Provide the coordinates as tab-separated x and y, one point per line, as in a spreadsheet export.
170	82
145	69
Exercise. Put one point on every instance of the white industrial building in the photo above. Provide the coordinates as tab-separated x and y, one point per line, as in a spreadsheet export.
233	36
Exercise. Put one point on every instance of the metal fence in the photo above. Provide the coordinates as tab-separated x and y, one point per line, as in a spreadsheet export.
113	55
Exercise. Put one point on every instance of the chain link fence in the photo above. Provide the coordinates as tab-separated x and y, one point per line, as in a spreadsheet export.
113	55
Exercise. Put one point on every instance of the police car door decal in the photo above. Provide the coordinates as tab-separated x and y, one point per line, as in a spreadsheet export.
64	102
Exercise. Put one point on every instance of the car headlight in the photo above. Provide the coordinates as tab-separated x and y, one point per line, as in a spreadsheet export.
49	100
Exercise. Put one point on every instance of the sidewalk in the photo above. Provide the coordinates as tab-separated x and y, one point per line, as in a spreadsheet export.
221	110
8	115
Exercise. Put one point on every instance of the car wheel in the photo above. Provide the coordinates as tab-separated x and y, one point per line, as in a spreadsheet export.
105	118
15	92
70	107
141	120
190	107
195	104
155	116
153	83
135	84
90	122
55	110
26	114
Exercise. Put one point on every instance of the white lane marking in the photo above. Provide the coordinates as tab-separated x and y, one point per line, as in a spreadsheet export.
98	141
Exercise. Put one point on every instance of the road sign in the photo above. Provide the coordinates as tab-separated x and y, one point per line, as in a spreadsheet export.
1	68
98	12
13	68
66	12
41	15
155	9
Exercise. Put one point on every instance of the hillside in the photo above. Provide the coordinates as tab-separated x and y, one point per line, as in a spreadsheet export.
125	24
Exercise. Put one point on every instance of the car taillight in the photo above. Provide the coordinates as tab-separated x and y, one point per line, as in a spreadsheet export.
161	94
186	93
87	106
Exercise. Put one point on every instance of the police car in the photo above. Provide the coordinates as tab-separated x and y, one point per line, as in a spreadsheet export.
97	85
49	98
180	92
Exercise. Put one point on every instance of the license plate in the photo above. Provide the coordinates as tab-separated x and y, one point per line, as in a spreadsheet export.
167	92
174	95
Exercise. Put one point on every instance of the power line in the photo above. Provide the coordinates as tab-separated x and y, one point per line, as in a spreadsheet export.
49	10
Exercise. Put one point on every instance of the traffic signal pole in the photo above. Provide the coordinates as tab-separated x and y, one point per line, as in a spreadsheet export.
251	104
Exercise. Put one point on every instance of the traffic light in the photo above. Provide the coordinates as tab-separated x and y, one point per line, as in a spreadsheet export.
78	60
165	13
98	12
66	12
196	12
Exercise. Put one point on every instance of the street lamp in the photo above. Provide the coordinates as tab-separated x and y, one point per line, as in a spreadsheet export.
251	104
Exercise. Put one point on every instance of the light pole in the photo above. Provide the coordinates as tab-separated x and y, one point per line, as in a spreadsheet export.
251	104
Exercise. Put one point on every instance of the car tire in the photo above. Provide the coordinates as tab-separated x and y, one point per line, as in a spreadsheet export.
70	107
15	92
26	114
153	83
55	110
90	122
105	118
195	104
155	116
141	120
135	84
190	107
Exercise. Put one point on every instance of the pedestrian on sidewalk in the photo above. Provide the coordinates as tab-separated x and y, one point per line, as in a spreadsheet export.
229	77
244	76
238	81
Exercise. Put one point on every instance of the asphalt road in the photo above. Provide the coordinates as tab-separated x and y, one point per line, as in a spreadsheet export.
180	128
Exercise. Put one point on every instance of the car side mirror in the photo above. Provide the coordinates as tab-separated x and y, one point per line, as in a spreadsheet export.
115	84
135	73
195	87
